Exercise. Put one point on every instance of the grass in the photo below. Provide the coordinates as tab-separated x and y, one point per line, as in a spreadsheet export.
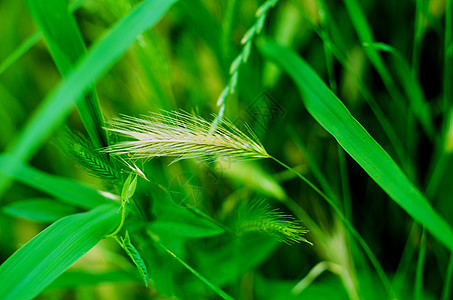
323	172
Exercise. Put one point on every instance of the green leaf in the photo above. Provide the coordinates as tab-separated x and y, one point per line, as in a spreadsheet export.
129	187
197	274
67	47
40	209
227	262
34	266
253	176
411	86
102	55
21	50
126	244
325	288
331	113
30	42
365	34
201	229
71	279
64	189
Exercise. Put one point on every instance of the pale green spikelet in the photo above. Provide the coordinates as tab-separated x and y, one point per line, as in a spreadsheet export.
260	217
181	135
88	157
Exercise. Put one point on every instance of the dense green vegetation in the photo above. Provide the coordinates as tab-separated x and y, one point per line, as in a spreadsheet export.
199	149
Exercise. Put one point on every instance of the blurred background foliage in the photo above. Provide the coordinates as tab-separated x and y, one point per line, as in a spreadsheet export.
183	63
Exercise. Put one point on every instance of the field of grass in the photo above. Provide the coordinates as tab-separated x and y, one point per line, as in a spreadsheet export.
196	149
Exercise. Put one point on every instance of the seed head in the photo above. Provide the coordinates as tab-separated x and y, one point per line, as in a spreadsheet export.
182	135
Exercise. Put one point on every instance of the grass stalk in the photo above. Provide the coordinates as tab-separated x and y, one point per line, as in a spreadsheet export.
381	117
217	290
418	286
448	280
380	271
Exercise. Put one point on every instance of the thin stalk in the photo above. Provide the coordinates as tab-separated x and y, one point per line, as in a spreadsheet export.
418	289
380	271
448	56
123	218
444	148
217	290
418	36
312	163
406	257
227	28
381	117
30	42
347	202
448	280
203	215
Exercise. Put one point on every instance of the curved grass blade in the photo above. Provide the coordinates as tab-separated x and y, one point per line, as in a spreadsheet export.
34	266
20	50
331	113
98	60
365	34
66	46
39	209
30	42
414	92
206	281
64	189
74	279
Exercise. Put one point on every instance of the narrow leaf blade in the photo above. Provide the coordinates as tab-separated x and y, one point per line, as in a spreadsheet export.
34	266
135	256
64	189
53	111
331	113
66	45
40	210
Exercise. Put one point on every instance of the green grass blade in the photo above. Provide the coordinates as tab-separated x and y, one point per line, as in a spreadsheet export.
73	279
133	253
66	46
418	286
39	209
331	113
418	35
64	189
448	280
337	48
21	50
366	37
412	87
313	165
34	266
29	43
448	54
53	111
201	230
217	290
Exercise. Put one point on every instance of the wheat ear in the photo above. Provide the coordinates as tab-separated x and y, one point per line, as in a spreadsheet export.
260	217
181	135
87	156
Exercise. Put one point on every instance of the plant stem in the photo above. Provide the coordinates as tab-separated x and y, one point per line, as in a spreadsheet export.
123	218
418	289
348	225
448	280
219	292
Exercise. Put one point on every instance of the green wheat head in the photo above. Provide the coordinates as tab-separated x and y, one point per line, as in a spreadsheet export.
260	217
92	160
